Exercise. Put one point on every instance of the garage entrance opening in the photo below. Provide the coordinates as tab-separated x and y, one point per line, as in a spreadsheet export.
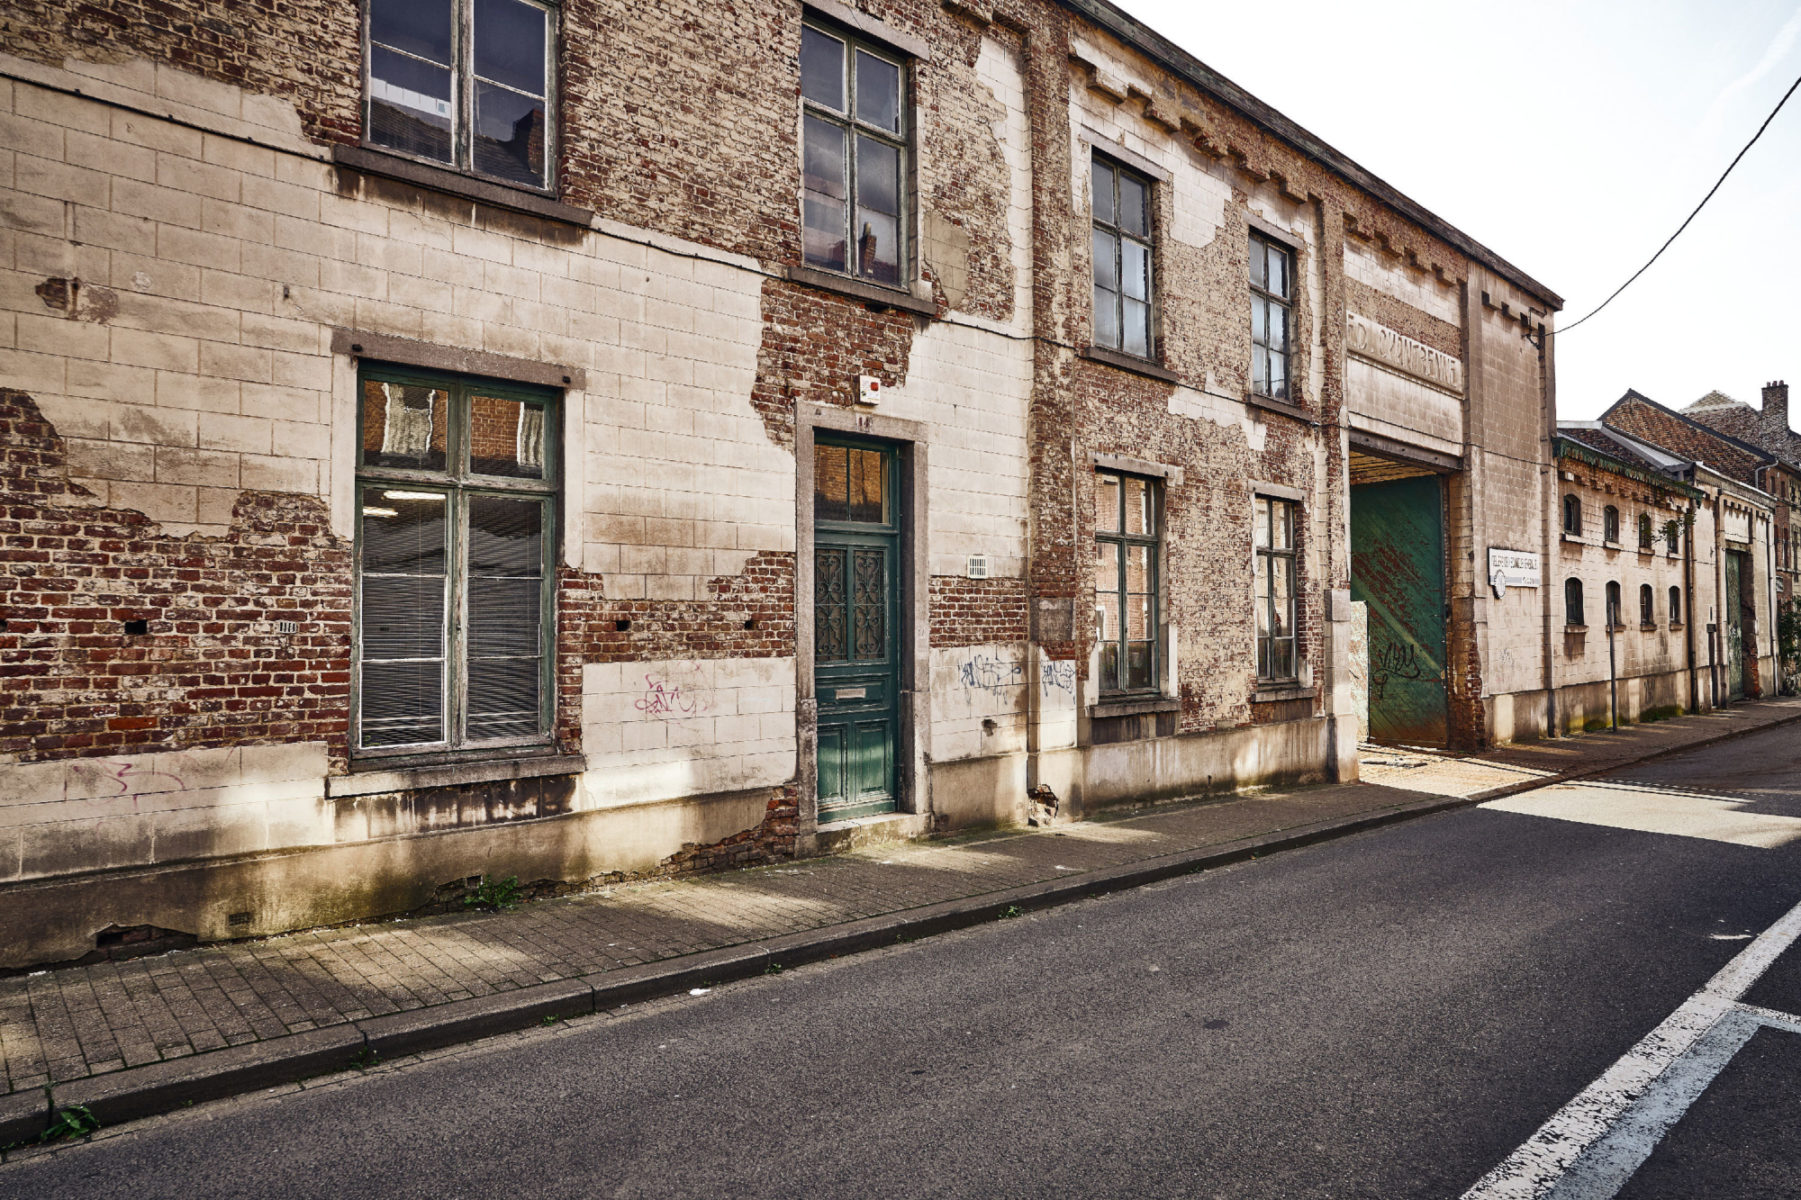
1398	573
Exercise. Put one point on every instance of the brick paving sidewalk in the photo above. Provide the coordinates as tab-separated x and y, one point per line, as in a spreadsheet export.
71	1023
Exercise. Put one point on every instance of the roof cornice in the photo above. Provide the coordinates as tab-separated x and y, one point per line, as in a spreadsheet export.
1154	45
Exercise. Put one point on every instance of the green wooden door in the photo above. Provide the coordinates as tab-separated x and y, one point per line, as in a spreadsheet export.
1732	609
1397	568
856	626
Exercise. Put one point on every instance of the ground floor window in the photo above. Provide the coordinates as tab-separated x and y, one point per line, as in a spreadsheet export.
1276	646
1127	523
455	553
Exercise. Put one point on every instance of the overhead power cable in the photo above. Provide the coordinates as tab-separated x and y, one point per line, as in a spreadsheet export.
1710	191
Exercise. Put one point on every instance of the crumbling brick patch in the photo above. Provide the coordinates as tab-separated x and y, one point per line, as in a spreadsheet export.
747	615
977	612
122	638
814	346
306	51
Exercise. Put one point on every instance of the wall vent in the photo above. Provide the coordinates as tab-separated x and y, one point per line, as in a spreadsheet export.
978	566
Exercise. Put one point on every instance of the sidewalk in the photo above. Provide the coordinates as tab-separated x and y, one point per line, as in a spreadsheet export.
147	1035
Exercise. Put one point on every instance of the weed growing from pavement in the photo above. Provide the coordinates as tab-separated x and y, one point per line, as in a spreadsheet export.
365	1058
774	968
495	895
71	1122
1009	912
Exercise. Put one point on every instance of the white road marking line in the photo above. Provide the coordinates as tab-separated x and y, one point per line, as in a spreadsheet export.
1655	810
1538	1168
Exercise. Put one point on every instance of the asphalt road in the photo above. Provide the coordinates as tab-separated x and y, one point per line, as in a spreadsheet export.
1386	1016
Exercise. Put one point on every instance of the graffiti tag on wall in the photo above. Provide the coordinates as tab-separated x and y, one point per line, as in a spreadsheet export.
662	699
992	675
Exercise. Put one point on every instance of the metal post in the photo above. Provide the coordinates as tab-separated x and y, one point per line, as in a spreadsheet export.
1613	679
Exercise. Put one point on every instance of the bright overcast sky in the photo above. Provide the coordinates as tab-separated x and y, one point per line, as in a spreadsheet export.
1571	139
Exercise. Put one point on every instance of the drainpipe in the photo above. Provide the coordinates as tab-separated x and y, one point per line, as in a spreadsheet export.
1613	677
1688	584
1548	593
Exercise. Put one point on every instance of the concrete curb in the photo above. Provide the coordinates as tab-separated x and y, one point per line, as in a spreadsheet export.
163	1087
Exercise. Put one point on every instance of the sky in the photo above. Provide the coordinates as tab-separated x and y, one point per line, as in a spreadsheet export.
1571	139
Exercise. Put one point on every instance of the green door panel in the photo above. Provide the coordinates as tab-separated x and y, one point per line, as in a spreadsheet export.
1397	568
856	619
1732	609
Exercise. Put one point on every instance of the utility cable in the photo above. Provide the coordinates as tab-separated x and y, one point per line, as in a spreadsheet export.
1698	207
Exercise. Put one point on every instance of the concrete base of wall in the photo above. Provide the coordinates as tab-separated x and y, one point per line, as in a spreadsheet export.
1194	764
1579	704
54	920
979	791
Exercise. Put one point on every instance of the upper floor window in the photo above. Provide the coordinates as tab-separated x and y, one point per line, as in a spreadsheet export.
1572	514
1272	290
1672	536
455	556
1645	538
854	143
1572	602
1276	657
1610	524
1127	530
1613	605
465	83
1122	259
1675	606
1647	605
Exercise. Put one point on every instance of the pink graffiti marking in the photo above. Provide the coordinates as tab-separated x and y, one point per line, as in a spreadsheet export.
660	700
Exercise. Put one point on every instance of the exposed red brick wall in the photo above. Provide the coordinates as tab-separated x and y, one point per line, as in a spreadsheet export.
977	612
814	346
748	615
211	670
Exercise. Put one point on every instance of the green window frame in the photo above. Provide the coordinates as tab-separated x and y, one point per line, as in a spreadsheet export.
1128	540
455	565
1272	301
856	145
1124	307
1278	639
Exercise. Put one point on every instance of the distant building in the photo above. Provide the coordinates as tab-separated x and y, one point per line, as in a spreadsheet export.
1768	430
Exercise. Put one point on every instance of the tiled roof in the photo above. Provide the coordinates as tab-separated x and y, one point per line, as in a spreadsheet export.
1644	418
1600	439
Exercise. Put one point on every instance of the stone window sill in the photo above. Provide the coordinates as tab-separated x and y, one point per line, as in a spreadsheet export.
1271	692
1129	362
1607	545
454	183
857	289
1574	539
1271	404
1131	706
1651	628
371	777
1575	629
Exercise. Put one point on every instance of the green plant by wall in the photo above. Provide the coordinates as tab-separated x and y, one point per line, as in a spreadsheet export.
495	895
71	1122
1788	642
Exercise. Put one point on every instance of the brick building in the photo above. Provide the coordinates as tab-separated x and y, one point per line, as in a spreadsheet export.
1767	428
1737	575
428	456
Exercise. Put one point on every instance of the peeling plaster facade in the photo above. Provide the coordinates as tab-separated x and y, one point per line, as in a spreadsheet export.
198	260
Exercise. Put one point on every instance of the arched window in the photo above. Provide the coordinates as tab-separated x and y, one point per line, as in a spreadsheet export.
1610	525
1572	602
1675	606
1613	605
1647	605
1644	532
1572	514
1672	536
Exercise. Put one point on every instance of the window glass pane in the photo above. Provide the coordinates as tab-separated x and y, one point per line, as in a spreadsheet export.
504	617
878	92
822	174
1137	500
1261	535
503	698
1277	324
1281	525
1106	566
869	604
867	486
1281	658
1106	503
510	129
1138	569
831	629
409	105
1106	616
1135	270
403	532
1278	272
821	68
1106	317
1260	370
1259	262
1278	376
1106	261
878	176
1110	667
403	616
402	703
420	27
404	426
1135	337
506	437
1132	205
831	482
1259	322
1101	197
1138	665
509	44
1281	590
506	537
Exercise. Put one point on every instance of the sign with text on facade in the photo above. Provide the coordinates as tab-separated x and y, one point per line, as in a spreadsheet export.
1512	568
